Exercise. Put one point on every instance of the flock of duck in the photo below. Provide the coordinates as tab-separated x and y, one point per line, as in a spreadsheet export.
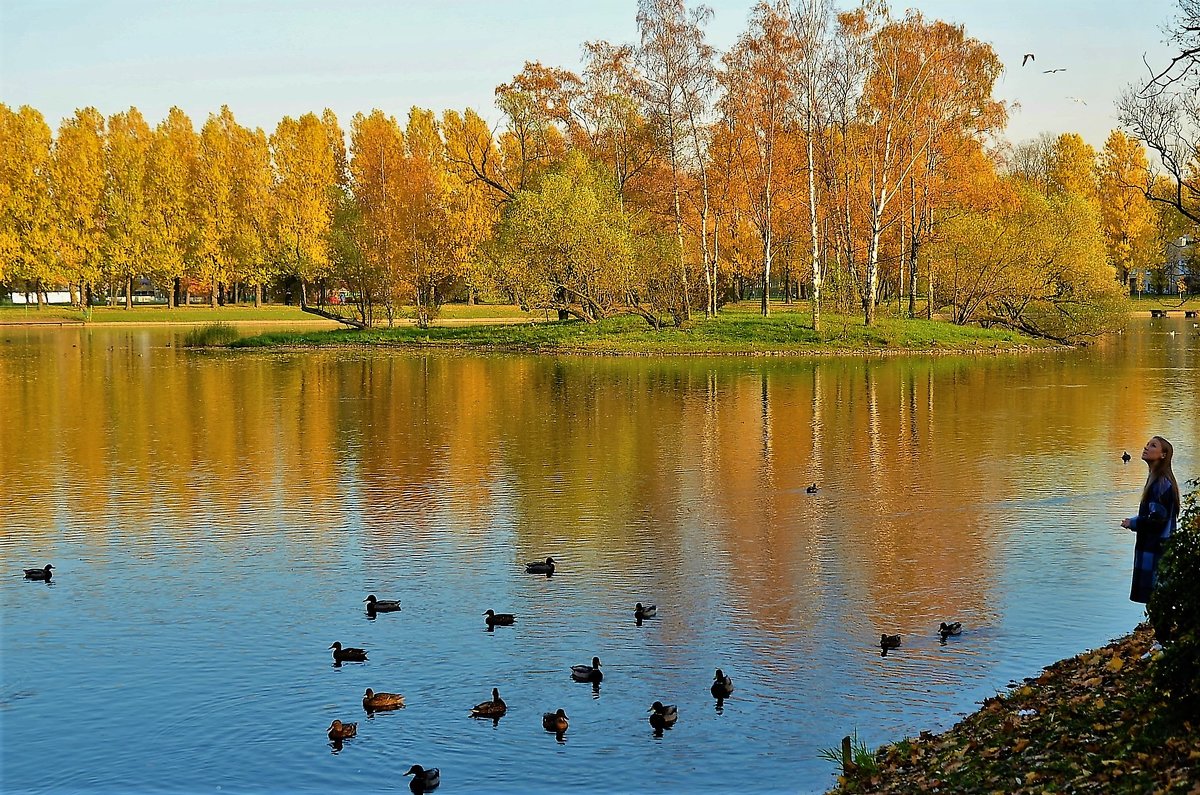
661	716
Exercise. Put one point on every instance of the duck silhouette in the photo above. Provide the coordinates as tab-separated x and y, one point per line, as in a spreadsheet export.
381	605
722	686
348	654
1126	457
377	702
813	489
587	673
540	567
499	619
342	731
423	780
953	628
490	709
887	642
43	573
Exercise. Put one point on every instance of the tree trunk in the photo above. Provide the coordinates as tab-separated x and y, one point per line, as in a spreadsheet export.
37	290
303	293
816	250
129	292
74	295
257	296
212	296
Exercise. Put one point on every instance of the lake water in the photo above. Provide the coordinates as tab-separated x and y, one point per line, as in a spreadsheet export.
215	521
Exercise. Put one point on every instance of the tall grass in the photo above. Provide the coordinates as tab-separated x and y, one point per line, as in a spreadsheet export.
211	335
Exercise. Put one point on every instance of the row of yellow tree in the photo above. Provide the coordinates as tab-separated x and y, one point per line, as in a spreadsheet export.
850	158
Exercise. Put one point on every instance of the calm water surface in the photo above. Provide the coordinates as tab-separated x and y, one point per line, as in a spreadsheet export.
216	520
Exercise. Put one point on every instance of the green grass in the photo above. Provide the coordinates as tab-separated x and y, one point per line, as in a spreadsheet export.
734	332
211	335
1144	303
156	314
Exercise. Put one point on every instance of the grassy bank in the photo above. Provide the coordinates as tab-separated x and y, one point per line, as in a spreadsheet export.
733	332
267	313
1144	303
1092	723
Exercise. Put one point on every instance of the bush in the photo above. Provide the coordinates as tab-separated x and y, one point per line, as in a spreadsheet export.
1175	608
211	335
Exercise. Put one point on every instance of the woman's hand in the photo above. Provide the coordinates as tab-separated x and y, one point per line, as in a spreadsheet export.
1125	523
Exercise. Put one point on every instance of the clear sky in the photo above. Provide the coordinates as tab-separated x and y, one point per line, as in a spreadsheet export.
270	58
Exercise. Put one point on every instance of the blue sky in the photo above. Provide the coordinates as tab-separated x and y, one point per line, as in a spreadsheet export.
268	58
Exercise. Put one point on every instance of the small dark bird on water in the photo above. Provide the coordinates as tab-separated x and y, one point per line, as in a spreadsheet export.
641	611
663	716
490	709
499	619
722	686
424	780
349	654
555	721
381	605
888	642
812	489
1126	457
587	673
39	574
373	701
946	630
538	567
342	731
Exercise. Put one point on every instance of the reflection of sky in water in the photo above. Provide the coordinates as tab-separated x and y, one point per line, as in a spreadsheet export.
215	522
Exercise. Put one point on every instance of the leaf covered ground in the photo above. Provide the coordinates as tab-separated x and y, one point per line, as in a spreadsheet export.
1091	723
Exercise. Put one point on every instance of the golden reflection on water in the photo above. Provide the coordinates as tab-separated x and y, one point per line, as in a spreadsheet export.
691	466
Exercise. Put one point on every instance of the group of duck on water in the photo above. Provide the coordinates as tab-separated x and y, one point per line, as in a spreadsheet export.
662	716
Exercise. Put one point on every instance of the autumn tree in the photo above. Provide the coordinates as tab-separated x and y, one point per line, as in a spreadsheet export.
28	239
1036	263
302	198
212	202
1073	167
170	172
1127	217
568	245
127	215
77	193
676	72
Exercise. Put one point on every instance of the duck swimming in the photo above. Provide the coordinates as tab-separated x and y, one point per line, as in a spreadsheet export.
348	654
722	686
812	489
342	731
499	619
373	701
424	780
1125	456
39	574
587	673
538	567
646	611
381	605
889	642
555	721
663	716
946	630
490	709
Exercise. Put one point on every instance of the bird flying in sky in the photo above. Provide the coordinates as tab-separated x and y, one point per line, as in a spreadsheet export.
1052	71
1028	57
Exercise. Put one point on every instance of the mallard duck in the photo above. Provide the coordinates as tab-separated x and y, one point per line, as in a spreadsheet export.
587	673
499	619
373	701
722	686
555	721
342	731
349	654
1126	457
39	574
946	630
812	489
644	611
538	567
424	780
889	642
381	605
663	716
490	709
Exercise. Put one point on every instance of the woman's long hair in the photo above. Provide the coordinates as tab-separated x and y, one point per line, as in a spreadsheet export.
1162	469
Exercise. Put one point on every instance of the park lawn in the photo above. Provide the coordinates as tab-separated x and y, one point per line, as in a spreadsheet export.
241	313
1144	303
735	332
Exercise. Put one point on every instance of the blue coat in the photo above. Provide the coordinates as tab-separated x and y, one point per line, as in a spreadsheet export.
1154	523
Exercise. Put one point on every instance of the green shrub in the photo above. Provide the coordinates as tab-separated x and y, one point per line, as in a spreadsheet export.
211	335
1175	608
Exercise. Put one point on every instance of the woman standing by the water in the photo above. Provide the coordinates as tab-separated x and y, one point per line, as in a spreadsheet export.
1155	520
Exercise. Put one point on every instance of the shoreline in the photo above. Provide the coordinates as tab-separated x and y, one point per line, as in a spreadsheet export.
1093	722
